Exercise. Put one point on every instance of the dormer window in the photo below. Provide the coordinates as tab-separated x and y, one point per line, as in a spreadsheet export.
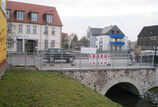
20	15
49	18
8	14
34	16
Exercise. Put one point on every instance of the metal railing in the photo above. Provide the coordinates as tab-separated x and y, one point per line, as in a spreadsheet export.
43	60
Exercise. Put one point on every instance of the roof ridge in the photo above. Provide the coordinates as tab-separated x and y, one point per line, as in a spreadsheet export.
28	7
30	3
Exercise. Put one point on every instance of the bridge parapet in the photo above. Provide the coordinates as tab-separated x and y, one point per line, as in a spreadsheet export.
102	80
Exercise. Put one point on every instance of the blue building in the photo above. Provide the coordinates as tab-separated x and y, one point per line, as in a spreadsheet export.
109	38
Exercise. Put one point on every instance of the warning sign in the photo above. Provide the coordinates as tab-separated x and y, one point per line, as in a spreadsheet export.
101	59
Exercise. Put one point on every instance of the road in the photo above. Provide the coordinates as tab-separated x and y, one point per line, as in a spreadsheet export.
78	63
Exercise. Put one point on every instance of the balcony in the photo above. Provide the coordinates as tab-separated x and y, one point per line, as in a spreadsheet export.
116	36
117	43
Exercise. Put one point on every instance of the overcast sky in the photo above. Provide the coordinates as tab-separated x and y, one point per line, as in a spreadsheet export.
129	15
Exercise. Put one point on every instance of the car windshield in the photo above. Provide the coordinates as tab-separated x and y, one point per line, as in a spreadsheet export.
55	50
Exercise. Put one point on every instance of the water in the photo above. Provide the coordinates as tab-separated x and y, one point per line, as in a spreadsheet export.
127	99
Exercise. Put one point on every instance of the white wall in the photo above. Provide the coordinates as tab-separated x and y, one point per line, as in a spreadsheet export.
126	44
40	36
105	45
107	39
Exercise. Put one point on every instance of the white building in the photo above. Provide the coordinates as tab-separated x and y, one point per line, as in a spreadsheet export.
109	38
33	27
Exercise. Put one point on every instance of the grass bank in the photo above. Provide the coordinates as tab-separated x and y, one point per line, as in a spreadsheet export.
47	89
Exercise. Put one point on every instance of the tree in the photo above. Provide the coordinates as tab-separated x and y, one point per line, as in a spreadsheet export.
132	45
66	40
88	32
84	42
10	39
74	40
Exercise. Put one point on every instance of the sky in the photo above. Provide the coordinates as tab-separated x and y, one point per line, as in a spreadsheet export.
129	15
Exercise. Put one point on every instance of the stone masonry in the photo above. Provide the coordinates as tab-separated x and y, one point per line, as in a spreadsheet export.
102	80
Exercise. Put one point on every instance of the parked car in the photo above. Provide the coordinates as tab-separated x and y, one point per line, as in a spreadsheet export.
53	54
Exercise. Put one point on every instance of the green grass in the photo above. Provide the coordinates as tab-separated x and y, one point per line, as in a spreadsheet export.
154	90
47	89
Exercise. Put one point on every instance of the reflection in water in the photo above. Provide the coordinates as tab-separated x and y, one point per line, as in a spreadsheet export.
126	99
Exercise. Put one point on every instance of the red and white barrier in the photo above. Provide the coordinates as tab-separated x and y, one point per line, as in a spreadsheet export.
92	58
101	59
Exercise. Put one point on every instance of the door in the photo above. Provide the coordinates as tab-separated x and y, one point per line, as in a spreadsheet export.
19	45
30	46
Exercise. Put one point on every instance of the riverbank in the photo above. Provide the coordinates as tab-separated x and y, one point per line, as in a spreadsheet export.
154	90
151	96
34	88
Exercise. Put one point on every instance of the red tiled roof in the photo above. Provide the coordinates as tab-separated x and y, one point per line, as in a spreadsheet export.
27	8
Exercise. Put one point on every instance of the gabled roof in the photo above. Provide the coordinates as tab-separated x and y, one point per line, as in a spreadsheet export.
105	31
149	31
27	8
95	31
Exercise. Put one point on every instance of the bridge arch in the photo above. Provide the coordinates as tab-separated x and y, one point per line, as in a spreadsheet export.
122	80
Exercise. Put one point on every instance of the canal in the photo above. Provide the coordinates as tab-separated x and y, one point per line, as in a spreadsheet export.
126	99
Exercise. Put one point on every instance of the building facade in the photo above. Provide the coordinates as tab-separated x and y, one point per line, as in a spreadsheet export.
109	38
32	27
148	37
3	30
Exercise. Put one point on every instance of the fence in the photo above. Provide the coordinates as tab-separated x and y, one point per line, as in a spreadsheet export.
74	59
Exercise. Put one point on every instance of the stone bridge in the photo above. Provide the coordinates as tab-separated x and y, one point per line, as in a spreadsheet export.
135	80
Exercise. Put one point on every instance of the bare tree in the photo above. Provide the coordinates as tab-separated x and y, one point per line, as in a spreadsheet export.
10	39
88	32
74	40
84	42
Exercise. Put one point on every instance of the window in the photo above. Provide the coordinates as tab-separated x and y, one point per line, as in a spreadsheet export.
34	29
9	28
28	29
100	47
46	30
20	15
100	40
8	14
46	44
118	32
34	16
53	44
20	28
53	30
49	18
